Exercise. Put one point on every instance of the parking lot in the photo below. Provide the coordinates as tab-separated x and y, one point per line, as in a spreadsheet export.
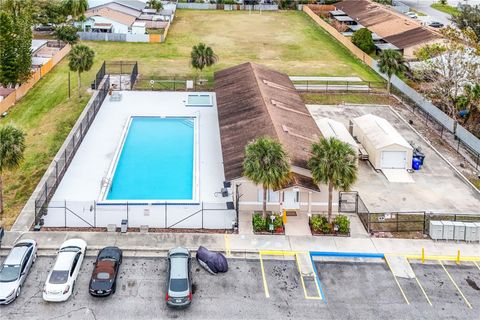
354	289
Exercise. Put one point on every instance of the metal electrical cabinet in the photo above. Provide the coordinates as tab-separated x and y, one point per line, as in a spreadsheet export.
436	230
471	232
459	230
448	230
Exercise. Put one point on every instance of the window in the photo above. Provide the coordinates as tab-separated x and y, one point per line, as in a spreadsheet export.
74	264
178	285
272	196
58	277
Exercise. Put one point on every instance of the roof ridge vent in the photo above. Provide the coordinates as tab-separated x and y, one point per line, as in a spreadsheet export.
289	131
283	106
275	85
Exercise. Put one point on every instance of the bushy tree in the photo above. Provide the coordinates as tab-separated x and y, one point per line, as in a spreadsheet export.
48	11
75	8
67	33
155	4
80	60
12	146
15	41
362	38
468	17
8	72
266	164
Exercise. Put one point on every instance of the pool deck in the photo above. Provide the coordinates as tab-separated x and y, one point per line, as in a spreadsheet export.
83	179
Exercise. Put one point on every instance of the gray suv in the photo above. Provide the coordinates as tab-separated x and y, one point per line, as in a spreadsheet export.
179	285
15	268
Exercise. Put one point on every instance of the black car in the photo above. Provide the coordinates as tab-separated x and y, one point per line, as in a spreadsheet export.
436	24
104	275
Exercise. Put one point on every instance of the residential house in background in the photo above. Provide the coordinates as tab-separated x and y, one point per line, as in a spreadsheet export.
390	29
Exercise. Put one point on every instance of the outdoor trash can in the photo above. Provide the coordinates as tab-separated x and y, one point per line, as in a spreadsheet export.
419	155
416	163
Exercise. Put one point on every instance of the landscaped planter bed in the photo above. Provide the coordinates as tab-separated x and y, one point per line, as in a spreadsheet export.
319	226
279	228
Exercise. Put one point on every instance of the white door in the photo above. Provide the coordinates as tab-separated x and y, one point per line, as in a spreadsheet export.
394	160
291	199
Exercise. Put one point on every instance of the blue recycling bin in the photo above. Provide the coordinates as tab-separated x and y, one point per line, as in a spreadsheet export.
416	163
420	155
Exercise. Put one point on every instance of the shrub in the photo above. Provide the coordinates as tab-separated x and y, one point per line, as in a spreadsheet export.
261	225
343	223
258	222
319	224
363	39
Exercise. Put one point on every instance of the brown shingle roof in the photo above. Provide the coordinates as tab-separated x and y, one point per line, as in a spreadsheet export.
411	37
254	101
387	23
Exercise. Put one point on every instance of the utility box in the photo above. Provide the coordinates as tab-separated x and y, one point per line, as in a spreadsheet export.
478	230
436	230
471	232
448	230
124	226
459	231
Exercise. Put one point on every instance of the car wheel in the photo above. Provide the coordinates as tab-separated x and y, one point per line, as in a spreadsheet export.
19	289
114	287
34	258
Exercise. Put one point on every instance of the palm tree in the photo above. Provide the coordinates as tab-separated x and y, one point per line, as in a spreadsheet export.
391	62
203	56
266	163
155	4
75	8
333	163
80	60
12	145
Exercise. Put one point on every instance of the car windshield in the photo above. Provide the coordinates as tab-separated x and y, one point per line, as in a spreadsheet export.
9	273
103	276
58	277
178	285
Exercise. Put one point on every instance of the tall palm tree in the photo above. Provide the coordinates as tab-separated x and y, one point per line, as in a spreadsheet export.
75	8
266	163
155	4
333	162
391	62
202	56
12	145
80	60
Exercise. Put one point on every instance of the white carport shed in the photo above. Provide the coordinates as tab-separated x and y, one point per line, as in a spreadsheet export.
386	148
332	128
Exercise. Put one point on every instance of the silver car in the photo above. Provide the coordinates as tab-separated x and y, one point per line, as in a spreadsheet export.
15	268
179	285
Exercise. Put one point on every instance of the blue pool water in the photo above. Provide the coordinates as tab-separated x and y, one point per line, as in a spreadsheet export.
156	161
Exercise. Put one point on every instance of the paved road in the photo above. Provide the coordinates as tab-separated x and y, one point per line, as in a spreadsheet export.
353	291
435	15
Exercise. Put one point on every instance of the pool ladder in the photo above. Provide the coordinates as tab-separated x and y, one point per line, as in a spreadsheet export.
105	183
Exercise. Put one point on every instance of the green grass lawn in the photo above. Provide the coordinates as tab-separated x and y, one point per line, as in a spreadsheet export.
339	98
445	8
286	41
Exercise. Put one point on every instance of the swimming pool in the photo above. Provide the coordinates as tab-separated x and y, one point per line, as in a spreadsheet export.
156	160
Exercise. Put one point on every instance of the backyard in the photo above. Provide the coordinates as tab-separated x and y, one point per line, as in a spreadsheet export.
286	41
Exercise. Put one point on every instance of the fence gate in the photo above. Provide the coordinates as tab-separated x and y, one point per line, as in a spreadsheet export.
348	202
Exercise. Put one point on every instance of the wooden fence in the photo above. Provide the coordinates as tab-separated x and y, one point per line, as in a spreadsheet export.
341	38
22	90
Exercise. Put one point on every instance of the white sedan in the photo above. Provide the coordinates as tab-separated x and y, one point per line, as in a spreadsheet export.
61	279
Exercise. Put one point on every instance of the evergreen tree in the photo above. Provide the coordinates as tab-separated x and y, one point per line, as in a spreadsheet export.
8	72
362	38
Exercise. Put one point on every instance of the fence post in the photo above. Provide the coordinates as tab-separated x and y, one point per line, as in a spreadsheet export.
202	214
65	212
95	214
424	223
166	225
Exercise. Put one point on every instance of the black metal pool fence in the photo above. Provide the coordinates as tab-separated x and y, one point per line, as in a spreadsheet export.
117	68
395	221
72	143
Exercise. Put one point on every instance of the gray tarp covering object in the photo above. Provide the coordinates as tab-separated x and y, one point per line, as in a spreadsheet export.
213	262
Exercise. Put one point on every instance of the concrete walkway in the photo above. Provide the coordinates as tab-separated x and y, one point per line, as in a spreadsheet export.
242	245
